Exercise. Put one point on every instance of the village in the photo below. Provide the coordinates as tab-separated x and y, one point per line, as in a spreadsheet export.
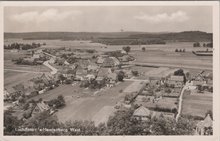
160	91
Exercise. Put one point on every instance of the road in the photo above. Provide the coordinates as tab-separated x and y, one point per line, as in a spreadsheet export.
168	65
181	100
147	81
24	71
54	70
46	63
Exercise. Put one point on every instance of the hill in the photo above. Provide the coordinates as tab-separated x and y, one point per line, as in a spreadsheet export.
186	36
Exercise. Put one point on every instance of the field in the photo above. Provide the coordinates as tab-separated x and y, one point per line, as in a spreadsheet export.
12	78
172	59
165	102
84	104
197	104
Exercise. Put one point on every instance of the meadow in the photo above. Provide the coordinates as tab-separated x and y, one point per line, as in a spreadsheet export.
86	104
197	104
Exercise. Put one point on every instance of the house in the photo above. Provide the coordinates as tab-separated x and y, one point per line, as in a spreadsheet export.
111	62
66	63
103	73
52	60
113	78
93	68
100	60
80	73
47	78
126	58
142	113
176	81
90	77
199	79
69	73
7	94
40	107
123	52
205	126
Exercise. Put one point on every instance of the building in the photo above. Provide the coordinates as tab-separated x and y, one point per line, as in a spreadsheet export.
40	107
93	68
113	78
111	62
204	127
199	79
176	81
142	113
100	60
47	78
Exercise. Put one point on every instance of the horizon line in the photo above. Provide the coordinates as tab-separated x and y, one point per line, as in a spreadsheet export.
109	31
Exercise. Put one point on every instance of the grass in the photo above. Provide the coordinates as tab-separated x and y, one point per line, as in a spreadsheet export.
12	78
197	104
82	104
165	102
172	59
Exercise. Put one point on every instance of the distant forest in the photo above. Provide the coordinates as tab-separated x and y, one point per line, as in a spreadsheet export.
117	38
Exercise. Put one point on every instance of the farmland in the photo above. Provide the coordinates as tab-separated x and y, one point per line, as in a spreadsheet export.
164	58
84	104
197	104
12	78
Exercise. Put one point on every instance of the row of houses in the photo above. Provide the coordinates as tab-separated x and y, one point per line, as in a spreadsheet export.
30	88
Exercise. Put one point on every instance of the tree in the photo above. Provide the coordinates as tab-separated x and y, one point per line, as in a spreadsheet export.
127	49
197	44
61	77
176	50
135	73
204	45
122	123
210	113
121	76
179	72
143	48
10	123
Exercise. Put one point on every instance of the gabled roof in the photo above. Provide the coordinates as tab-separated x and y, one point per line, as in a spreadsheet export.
142	111
112	76
111	62
207	122
103	72
42	106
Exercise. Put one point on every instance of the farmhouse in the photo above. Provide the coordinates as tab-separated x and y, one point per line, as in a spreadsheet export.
204	126
100	59
113	78
176	81
47	78
142	113
40	107
93	68
111	62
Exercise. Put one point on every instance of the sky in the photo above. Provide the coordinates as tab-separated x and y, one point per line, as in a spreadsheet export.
108	18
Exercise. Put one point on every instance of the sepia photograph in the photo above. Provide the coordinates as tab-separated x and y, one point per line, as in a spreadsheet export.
109	70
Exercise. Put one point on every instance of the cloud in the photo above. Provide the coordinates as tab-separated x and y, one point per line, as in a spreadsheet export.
45	16
178	16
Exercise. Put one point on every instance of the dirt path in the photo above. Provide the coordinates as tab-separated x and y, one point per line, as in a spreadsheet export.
181	101
23	71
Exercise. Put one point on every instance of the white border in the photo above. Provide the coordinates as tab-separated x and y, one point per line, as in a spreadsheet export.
216	97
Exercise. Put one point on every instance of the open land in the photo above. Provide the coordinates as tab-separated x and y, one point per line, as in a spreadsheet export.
82	104
197	104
